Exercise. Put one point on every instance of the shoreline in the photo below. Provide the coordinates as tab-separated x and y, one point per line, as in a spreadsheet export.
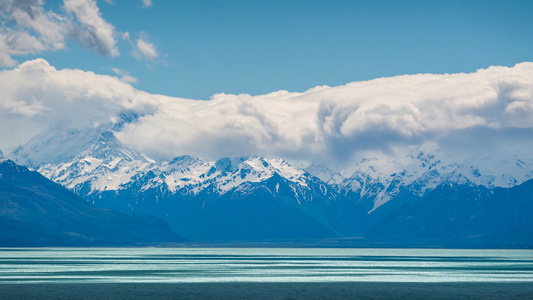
270	291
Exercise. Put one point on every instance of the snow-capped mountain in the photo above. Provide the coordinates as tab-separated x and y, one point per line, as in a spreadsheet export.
54	146
222	175
421	171
108	165
186	189
58	145
93	161
253	197
104	165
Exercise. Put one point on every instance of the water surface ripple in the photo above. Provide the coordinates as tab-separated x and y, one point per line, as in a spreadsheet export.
171	265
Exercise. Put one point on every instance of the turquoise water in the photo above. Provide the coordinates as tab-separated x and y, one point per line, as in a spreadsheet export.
101	265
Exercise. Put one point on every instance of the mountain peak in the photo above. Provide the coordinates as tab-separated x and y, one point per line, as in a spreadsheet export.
325	174
107	147
229	164
185	160
54	145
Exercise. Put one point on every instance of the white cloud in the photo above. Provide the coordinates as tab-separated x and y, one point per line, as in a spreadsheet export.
35	30
147	3
129	79
92	31
144	48
125	76
491	109
335	123
27	28
36	95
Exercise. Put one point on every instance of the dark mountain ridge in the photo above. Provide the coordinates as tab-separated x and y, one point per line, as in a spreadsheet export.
35	211
456	215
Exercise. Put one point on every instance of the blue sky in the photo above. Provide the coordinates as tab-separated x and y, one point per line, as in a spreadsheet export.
256	47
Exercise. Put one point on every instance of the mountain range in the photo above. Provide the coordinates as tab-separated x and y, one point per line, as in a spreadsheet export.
424	198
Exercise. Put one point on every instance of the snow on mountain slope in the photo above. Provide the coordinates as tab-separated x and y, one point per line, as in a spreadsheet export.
106	165
422	170
326	174
502	172
59	145
223	174
54	146
94	161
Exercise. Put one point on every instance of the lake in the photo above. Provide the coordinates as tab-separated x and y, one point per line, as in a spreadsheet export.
281	265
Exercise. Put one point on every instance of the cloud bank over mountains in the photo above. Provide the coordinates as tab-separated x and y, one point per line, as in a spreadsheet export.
472	114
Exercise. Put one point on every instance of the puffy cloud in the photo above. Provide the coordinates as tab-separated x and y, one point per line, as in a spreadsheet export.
144	49
35	95
456	111
27	28
489	110
34	30
92	31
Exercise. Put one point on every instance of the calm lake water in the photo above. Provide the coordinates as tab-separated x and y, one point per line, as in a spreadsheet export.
157	265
